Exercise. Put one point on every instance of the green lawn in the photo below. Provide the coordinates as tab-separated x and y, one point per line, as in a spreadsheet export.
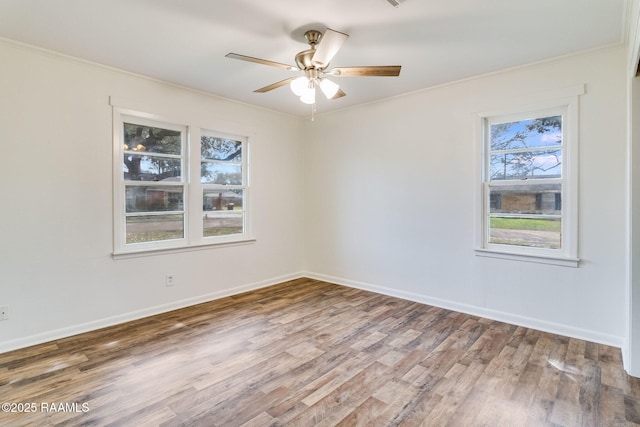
525	224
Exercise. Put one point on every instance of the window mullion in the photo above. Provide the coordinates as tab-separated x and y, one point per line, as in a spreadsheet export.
527	149
153	154
523	182
154	213
221	162
195	187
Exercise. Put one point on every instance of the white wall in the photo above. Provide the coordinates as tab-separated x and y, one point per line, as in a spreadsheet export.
57	273
387	191
391	197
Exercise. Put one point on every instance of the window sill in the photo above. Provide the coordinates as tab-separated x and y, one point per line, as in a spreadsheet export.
540	259
164	251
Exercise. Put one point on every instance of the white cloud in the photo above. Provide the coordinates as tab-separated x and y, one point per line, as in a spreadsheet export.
551	137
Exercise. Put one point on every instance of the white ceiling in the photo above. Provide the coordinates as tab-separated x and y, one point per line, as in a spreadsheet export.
435	41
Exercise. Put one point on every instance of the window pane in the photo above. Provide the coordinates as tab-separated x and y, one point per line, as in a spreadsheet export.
220	223
154	227
213	148
152	139
529	232
221	173
148	168
532	200
154	198
223	212
531	133
218	200
540	199
526	164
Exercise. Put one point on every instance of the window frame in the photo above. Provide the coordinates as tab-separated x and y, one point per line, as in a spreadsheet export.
212	186
193	210
567	254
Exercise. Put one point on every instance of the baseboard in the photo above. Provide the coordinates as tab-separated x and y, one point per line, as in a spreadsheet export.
514	319
134	315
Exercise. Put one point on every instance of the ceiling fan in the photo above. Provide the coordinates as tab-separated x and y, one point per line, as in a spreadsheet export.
314	62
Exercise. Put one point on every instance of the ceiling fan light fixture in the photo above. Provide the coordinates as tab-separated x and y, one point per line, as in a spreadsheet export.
329	88
314	63
309	96
299	85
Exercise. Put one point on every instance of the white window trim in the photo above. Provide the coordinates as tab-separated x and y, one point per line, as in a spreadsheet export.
199	187
193	230
568	254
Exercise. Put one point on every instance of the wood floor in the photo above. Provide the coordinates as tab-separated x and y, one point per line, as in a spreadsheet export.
308	353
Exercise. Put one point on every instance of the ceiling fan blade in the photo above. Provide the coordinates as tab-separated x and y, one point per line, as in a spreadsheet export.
376	71
330	44
260	61
339	94
275	85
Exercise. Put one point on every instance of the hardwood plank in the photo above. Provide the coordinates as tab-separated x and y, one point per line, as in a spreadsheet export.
609	400
454	390
364	414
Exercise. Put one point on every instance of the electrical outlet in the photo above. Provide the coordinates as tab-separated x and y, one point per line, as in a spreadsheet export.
170	280
4	313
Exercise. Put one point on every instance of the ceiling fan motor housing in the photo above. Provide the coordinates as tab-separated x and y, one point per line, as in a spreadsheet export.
304	58
313	37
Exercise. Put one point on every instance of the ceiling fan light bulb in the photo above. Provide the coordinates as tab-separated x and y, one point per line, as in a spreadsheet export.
329	88
309	97
299	85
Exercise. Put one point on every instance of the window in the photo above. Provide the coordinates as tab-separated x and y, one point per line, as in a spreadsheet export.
223	185
528	175
165	199
153	183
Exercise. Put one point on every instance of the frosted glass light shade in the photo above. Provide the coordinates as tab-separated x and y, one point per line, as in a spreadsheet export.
299	85
309	96
329	88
